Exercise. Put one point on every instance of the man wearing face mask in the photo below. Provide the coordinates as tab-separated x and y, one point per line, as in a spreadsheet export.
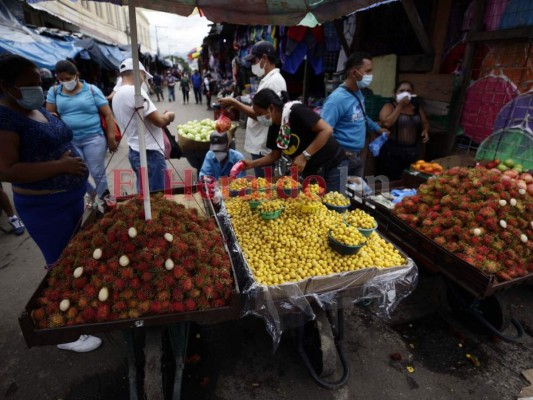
344	110
263	60
220	158
124	109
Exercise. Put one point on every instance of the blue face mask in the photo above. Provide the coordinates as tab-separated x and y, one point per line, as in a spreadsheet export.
365	82
32	97
264	121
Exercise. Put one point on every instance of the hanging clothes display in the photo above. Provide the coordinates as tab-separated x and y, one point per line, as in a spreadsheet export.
304	42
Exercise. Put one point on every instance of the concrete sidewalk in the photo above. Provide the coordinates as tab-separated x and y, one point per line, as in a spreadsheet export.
234	361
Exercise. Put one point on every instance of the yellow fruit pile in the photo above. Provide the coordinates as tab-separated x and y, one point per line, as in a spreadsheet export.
259	183
314	188
286	182
347	235
336	199
239	184
270	205
295	246
360	219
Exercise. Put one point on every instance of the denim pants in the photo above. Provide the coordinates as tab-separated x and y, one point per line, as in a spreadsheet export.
93	150
198	95
355	163
156	169
337	177
51	219
171	93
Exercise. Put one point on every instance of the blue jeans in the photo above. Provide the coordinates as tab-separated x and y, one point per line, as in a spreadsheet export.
156	169
337	177
171	93
51	219
93	149
355	163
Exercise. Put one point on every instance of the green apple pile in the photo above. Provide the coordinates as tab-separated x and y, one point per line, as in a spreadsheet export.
197	130
506	165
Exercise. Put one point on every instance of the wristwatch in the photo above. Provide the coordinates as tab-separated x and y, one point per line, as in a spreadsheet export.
306	155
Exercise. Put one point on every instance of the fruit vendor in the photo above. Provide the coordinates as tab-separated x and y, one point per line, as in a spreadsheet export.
298	132
409	128
263	59
344	110
47	174
220	158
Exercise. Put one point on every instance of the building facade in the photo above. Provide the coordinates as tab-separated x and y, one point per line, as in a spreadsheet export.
103	21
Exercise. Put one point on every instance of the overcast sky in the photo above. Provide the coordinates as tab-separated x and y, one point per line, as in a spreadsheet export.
176	34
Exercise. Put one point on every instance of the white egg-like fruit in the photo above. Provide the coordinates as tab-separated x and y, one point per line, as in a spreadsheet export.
169	264
97	254
103	294
503	224
64	305
512	202
523	238
168	237
522	191
132	232
477	231
78	272
502	202
124	261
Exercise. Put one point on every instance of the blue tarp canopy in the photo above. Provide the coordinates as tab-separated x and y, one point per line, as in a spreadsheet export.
108	57
44	52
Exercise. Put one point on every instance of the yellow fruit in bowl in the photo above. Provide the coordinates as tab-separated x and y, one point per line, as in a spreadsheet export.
336	199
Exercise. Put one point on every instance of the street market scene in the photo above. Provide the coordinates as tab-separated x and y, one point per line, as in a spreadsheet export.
259	200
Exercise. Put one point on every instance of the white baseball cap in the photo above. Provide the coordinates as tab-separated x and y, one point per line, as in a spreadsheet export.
127	65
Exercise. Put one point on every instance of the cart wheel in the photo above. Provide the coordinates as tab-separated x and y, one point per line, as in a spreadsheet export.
319	344
494	309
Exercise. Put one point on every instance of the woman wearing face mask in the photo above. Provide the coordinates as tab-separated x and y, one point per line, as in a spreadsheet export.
298	132
409	128
263	60
37	157
345	111
78	104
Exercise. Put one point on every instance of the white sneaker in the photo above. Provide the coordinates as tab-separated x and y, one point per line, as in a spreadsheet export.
84	344
18	226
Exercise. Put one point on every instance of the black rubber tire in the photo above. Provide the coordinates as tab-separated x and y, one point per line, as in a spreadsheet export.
495	309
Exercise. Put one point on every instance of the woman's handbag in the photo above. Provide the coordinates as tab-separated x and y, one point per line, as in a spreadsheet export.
103	122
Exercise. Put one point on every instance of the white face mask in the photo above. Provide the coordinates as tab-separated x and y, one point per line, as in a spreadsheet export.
403	95
257	70
32	97
365	82
70	85
264	121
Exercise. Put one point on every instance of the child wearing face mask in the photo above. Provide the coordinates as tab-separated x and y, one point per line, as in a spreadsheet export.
263	59
78	104
409	128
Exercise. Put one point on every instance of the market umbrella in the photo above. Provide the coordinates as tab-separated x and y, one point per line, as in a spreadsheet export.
246	12
515	112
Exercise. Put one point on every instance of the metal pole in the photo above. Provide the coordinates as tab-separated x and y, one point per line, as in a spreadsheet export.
139	103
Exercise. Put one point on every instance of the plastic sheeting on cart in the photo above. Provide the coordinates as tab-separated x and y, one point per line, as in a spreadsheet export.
290	304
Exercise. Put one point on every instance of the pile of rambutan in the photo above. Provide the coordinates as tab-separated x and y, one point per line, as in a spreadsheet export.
124	267
481	216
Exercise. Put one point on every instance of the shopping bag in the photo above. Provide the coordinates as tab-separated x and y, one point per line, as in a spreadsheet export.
172	148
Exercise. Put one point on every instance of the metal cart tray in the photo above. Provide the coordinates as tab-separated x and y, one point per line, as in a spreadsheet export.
435	257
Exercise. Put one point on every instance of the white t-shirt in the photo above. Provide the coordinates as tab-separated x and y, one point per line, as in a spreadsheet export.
256	134
124	107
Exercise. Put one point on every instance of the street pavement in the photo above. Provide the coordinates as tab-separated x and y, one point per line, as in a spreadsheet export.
420	355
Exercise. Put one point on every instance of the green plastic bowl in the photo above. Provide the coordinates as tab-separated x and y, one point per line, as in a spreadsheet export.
254	203
339	209
342	248
367	232
271	214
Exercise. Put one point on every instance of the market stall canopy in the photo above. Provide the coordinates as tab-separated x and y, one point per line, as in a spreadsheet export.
260	12
108	57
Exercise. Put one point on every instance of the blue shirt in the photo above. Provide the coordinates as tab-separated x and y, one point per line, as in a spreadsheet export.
343	112
79	111
41	142
211	167
196	81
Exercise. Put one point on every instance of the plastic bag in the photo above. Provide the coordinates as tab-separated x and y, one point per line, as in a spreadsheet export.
377	143
223	123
